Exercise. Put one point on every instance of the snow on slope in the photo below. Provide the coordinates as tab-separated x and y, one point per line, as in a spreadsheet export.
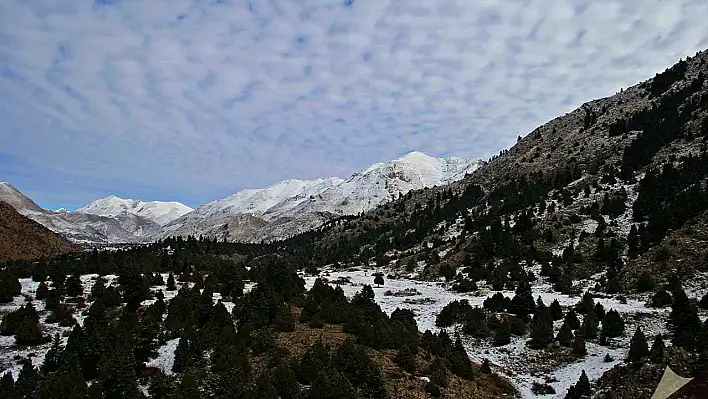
294	206
157	211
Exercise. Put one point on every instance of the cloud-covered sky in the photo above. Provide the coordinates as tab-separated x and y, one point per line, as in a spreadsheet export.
194	100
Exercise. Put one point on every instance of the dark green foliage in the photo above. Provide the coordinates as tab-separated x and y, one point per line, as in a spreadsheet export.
182	356
354	363
486	367
612	324
522	304
565	336
111	297
599	311
405	359
460	363
541	330
556	310
316	322
581	389
189	386
9	286
661	298
405	317
454	312
518	327
73	286
656	353
27	380
263	340
439	374
502	335
171	283
378	279
638	348
117	368
572	320
145	334
330	384
42	291
578	346
160	385
66	383
284	320
590	325
683	321
586	304
315	361
7	385
495	303
24	324
53	358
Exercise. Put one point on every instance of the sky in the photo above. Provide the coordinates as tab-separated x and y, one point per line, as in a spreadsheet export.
195	100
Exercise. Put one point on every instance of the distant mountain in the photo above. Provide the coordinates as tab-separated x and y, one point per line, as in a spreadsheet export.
23	238
83	227
157	211
294	206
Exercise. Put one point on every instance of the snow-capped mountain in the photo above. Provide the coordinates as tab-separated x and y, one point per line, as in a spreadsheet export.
83	227
294	206
157	211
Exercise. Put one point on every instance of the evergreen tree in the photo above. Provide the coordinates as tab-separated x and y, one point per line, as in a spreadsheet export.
572	320
523	304
565	336
171	283
586	304
189	386
656	353
502	335
27	380
703	303
53	358
329	384
578	346
182	355
7	385
612	324
660	299
42	291
582	387
405	360
541	330
590	326
10	286
486	367
73	286
378	279
683	321
315	360
638	348
599	311
556	310
285	321
460	363
117	369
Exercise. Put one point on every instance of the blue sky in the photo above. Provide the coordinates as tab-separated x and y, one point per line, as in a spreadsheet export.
194	100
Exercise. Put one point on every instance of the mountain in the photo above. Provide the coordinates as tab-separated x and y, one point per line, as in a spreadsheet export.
295	206
23	238
157	211
83	227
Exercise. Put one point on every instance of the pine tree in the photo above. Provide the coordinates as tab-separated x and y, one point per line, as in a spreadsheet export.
586	304
285	321
541	330
315	360
683	321
329	384
486	367
502	335
53	358
10	286
590	326
189	386
565	336
582	387
73	286
27	380
523	304
7	385
578	346
378	279
599	311
660	299
612	324
42	291
572	320
556	310
171	283
656	353
460	363
638	348
182	356
703	303
28	332
117	368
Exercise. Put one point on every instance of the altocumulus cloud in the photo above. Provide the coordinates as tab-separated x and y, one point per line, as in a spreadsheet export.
192	100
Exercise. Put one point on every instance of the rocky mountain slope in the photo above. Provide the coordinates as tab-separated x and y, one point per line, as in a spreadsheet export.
83	227
295	206
23	238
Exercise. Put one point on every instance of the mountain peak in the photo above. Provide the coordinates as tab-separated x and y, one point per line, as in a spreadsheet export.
415	156
156	211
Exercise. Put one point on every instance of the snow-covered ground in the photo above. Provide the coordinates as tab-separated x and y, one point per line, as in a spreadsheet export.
512	360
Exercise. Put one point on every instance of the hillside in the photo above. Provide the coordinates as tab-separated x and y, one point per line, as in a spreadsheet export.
22	238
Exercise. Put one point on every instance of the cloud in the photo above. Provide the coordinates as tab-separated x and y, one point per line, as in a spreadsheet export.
193	100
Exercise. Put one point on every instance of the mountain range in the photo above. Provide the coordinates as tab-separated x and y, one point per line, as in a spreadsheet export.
280	211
